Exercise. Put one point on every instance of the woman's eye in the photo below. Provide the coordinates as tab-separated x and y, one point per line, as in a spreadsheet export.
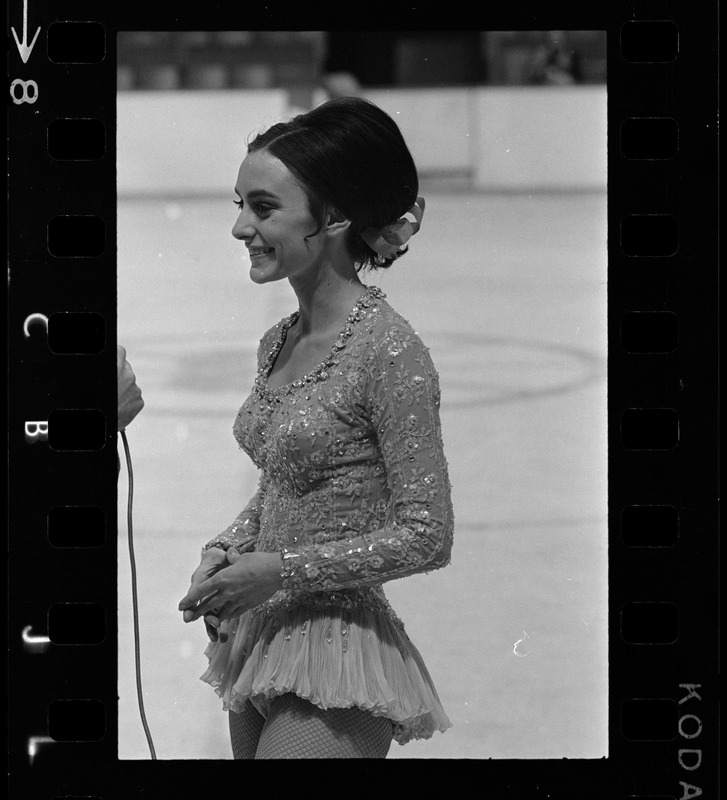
259	209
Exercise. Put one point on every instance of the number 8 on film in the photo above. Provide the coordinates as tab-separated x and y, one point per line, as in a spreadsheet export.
26	95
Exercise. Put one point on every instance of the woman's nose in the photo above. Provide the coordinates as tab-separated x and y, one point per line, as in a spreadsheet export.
242	228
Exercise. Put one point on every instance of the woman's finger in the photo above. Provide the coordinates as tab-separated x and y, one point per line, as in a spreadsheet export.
207	610
205	590
203	608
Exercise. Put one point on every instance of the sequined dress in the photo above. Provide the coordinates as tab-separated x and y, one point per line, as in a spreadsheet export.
354	490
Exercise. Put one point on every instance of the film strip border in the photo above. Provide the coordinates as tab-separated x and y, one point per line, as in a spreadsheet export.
62	411
662	406
663	491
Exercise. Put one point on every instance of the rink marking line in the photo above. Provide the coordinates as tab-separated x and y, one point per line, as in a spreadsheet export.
508	370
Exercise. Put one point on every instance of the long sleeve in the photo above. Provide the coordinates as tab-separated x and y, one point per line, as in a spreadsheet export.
403	408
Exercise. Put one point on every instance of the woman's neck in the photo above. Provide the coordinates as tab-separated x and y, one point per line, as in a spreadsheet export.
327	300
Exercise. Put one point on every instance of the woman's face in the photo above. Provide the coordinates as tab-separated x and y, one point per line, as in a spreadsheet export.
274	220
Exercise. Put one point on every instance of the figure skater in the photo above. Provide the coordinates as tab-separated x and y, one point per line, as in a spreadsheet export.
343	422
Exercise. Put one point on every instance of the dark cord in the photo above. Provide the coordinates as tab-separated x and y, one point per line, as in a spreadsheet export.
134	597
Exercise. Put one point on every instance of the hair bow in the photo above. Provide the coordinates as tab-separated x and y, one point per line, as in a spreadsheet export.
387	241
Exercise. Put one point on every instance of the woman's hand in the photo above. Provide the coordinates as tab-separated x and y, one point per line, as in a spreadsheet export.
249	581
213	560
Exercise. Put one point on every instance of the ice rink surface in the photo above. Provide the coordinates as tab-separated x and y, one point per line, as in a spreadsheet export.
509	293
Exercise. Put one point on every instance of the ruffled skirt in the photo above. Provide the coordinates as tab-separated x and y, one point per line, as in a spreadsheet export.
335	658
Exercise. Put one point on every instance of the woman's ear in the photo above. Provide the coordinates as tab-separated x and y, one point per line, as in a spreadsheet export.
337	223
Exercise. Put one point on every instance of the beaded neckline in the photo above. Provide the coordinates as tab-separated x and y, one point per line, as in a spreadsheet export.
319	373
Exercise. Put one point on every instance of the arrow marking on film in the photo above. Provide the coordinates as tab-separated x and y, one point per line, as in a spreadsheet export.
24	48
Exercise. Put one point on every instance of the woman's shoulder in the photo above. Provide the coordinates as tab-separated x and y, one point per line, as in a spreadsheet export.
389	333
392	353
273	331
387	322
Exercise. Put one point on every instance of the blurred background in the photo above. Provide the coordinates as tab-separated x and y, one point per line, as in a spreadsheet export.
505	282
299	61
457	95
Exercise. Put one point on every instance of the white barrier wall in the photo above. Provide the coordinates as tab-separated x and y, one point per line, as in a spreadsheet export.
506	138
188	142
541	138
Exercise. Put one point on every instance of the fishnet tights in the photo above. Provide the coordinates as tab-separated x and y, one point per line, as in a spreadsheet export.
296	728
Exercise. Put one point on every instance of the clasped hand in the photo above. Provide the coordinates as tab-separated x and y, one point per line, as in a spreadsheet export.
221	590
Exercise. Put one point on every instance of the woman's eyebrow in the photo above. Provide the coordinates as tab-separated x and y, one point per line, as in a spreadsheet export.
258	193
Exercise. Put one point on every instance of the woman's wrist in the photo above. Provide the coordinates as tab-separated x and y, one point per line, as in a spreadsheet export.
275	568
216	555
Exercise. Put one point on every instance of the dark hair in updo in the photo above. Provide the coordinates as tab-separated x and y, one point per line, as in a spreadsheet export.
350	155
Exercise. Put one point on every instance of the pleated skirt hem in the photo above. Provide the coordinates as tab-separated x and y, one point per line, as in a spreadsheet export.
335	659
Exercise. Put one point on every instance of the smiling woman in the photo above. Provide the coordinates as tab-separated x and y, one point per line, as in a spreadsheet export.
343	422
274	221
350	159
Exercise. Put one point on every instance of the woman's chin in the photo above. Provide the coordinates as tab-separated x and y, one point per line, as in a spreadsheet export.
262	275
